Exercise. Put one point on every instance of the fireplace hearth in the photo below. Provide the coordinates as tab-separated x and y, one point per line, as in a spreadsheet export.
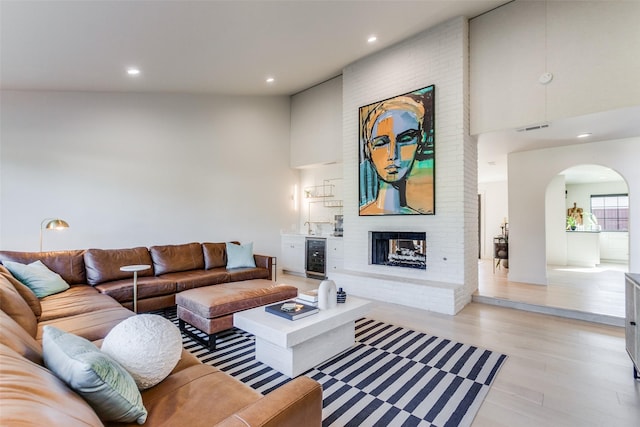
398	249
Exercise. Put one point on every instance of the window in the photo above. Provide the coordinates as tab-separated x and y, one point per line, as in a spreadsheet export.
612	211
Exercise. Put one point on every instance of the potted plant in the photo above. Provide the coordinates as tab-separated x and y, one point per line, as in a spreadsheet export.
571	223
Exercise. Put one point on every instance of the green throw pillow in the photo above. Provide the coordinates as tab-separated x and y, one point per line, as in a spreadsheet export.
37	277
240	255
100	380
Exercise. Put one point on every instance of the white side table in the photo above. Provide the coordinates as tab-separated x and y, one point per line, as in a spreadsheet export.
135	269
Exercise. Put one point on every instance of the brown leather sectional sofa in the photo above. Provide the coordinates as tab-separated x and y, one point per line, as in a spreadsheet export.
192	395
174	268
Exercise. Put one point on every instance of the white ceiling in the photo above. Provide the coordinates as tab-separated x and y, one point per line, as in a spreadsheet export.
204	46
231	47
493	147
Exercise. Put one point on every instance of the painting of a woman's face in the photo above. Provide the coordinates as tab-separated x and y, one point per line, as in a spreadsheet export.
393	143
396	153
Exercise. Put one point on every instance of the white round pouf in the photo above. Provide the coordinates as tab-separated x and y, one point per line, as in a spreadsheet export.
147	345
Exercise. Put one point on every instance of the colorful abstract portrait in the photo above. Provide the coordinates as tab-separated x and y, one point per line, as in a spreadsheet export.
397	143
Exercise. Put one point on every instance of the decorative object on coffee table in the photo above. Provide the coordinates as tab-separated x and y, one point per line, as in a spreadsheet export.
341	296
135	269
327	295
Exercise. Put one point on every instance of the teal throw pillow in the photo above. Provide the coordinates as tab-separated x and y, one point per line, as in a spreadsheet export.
240	255
100	380
42	281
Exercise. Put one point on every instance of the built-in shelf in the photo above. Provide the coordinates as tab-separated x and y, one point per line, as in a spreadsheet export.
332	203
324	193
319	191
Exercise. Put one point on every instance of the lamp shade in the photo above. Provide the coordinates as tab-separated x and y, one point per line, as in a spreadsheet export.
56	223
52	224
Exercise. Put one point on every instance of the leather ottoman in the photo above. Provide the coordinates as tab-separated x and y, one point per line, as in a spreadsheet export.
210	308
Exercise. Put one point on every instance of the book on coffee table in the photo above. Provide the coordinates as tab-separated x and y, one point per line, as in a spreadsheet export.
311	295
305	302
291	310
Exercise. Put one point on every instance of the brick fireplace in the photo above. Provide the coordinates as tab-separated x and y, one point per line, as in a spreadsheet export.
449	275
398	249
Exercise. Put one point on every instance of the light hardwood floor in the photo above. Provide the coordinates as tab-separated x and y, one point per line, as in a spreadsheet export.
560	372
598	290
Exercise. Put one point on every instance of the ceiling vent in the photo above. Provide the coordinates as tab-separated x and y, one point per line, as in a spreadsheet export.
533	127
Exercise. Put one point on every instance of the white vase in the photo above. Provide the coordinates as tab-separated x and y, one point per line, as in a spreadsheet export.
327	295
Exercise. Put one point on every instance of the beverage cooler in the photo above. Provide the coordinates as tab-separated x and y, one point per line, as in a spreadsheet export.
316	252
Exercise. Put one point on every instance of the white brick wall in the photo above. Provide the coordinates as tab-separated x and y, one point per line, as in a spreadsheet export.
437	56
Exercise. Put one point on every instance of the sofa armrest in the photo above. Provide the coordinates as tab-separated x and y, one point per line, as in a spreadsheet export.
268	262
297	403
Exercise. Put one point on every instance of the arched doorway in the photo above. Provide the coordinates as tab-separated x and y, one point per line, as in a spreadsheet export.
590	260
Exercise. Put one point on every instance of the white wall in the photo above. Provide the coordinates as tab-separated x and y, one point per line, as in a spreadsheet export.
589	47
527	255
437	56
144	169
316	124
321	209
556	221
495	210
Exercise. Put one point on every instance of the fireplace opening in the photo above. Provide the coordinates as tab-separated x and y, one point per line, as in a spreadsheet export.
399	249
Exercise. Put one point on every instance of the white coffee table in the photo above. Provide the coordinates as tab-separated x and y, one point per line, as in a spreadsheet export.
295	346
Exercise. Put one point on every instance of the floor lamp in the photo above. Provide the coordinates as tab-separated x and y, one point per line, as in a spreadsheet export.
51	224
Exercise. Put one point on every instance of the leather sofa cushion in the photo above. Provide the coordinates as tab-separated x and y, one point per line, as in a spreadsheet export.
103	265
92	326
187	359
13	336
68	264
296	403
76	300
122	290
179	399
33	396
247	273
24	291
16	307
153	303
197	278
175	258
215	255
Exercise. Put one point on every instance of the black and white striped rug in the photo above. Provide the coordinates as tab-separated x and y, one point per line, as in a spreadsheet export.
391	377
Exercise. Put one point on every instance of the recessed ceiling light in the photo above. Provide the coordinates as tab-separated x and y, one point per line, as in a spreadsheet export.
270	80
371	39
133	71
584	135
